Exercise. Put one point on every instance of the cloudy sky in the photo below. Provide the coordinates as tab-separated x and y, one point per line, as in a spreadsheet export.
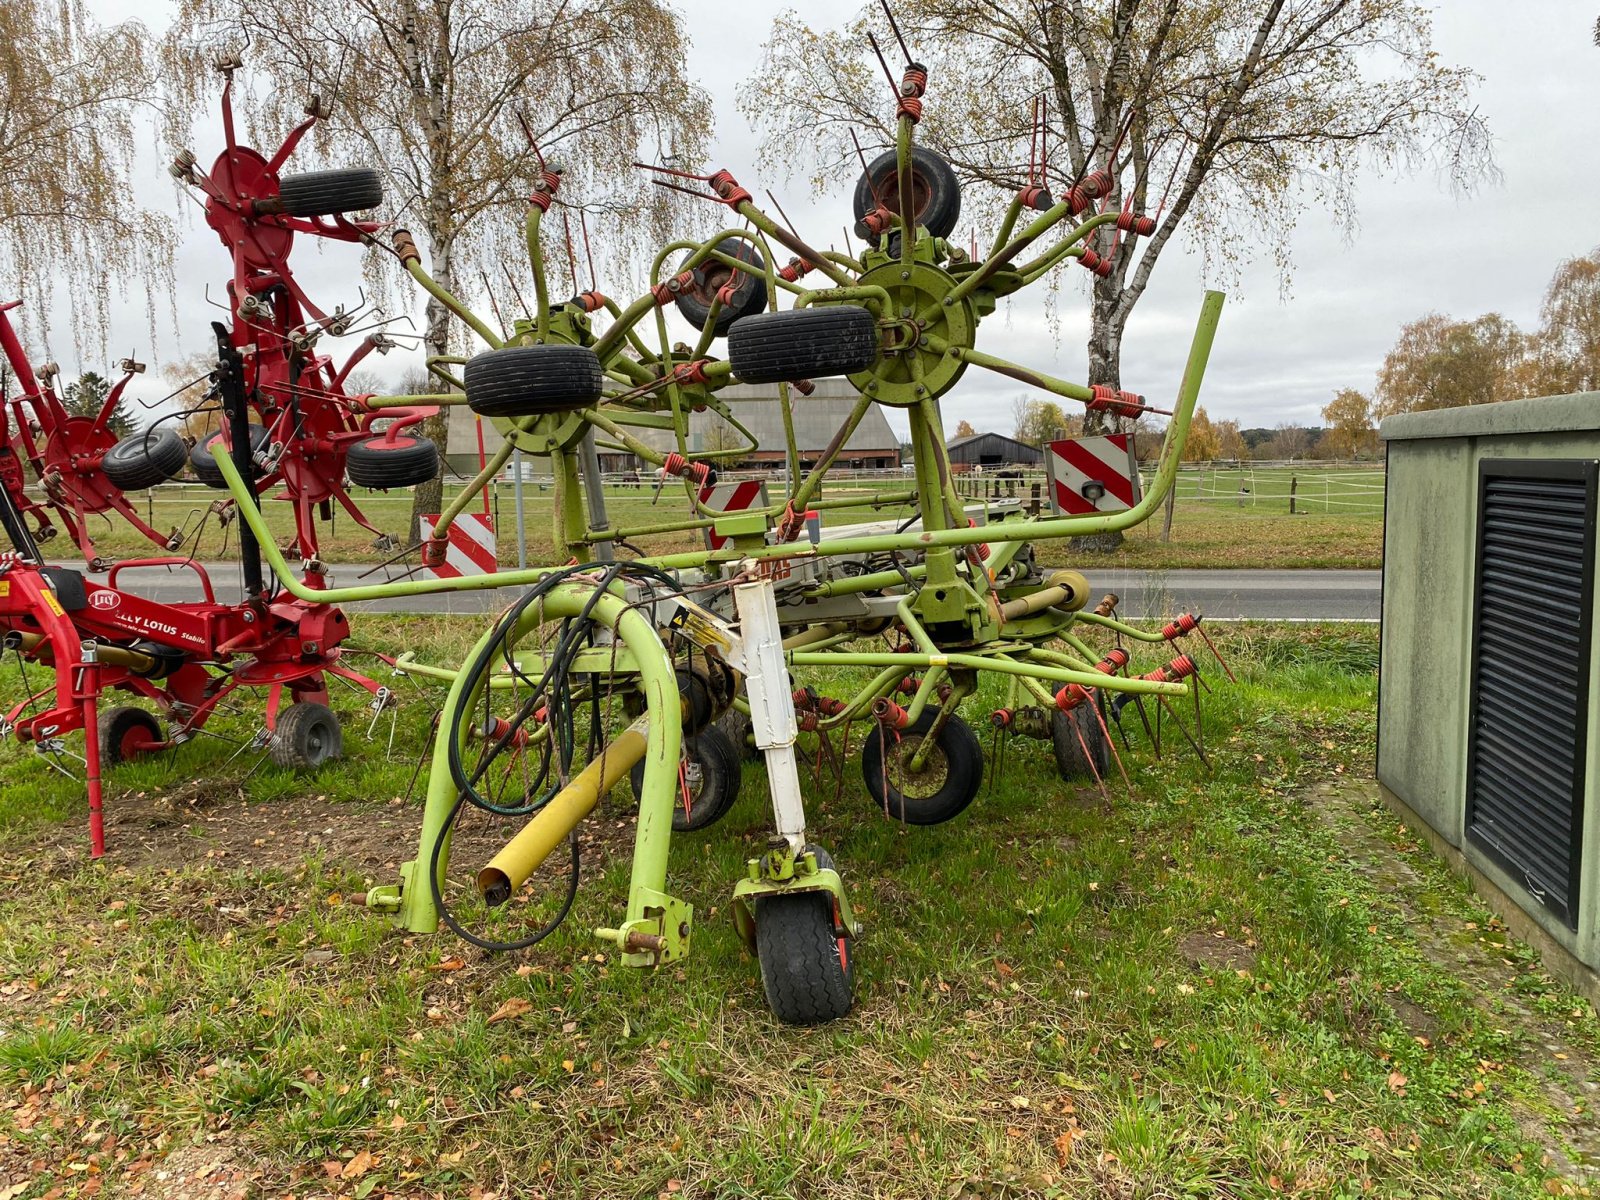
1280	355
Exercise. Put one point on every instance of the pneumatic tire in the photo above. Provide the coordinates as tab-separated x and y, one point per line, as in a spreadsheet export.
143	460
713	773
532	381
803	343
203	458
934	187
330	193
807	969
749	294
126	733
949	779
307	736
381	463
1089	758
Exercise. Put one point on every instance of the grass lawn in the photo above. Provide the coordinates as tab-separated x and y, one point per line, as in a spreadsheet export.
1209	530
1199	988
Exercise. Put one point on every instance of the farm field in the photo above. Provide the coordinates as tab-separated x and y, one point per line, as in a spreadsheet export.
1199	985
1340	523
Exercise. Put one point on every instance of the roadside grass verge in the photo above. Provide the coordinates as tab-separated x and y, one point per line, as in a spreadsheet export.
1183	991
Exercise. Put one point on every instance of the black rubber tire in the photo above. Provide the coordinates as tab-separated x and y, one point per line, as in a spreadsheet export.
711	758
808	973
203	460
380	463
531	381
749	297
1071	761
957	755
933	182
330	193
803	343
307	736
736	727
142	460
117	726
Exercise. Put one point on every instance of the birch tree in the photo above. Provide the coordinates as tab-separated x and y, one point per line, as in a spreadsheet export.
1227	117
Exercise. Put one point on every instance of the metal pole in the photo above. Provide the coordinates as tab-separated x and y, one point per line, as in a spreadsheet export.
522	515
594	493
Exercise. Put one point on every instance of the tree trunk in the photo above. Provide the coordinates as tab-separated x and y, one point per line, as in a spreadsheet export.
428	498
1105	367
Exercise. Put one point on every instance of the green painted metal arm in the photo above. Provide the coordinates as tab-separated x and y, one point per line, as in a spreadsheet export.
432	287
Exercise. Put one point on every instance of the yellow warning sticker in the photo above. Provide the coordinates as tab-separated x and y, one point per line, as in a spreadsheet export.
54	604
700	627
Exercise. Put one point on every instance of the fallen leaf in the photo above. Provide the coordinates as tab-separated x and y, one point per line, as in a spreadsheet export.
1063	1146
448	964
514	1007
357	1166
1397	1083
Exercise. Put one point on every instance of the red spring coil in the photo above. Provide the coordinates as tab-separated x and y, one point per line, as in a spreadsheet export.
1182	667
797	270
496	728
804	386
910	107
983	547
666	291
907	686
433	551
1093	263
699	472
830	707
1121	404
1069	697
1184	623
691	372
887	712
803	698
790	524
673	464
591	301
878	220
1132	222
1001	718
1115	659
915	81
1036	198
1088	191
545	190
727	187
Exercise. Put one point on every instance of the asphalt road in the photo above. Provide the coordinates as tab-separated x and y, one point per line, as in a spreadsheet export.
1220	595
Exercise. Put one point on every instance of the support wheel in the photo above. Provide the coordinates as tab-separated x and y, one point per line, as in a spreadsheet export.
203	458
935	191
740	734
1086	759
803	343
949	779
532	381
381	463
330	193
126	733
749	291
712	772
307	736
143	460
806	965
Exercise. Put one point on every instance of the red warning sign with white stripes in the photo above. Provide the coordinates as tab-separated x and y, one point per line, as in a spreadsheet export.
739	496
471	548
1092	474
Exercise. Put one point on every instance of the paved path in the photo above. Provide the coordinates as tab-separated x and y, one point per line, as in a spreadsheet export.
1323	595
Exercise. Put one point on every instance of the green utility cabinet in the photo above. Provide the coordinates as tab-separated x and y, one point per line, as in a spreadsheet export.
1487	705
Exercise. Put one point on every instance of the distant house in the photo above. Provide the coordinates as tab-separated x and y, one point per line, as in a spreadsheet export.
817	419
991	450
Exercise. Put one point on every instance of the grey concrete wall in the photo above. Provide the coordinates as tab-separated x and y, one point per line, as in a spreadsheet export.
1430	556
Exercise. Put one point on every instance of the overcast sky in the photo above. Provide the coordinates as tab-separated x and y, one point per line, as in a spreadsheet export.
1278	357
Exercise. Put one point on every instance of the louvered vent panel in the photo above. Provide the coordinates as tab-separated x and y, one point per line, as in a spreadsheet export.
1530	678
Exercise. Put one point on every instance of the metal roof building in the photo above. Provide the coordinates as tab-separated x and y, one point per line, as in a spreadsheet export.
992	450
817	418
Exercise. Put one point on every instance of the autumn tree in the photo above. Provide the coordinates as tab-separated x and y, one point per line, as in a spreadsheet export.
1036	421
71	95
1203	445
1230	441
1350	433
1565	355
1441	363
964	429
436	93
1287	443
1237	114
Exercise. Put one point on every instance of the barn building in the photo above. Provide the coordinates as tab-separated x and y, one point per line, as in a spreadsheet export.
991	450
817	418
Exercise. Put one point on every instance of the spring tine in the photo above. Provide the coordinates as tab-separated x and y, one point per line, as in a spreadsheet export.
1217	655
